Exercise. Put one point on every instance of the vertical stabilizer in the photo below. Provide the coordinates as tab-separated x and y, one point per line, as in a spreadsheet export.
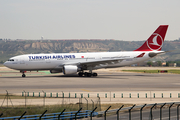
155	41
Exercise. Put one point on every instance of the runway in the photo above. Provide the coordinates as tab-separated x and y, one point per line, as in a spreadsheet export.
105	81
110	83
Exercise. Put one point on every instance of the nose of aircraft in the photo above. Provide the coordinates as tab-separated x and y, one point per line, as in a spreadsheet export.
6	64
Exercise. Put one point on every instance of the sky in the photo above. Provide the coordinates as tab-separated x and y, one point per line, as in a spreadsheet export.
127	20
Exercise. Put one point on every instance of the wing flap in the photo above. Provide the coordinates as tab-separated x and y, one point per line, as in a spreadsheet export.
95	62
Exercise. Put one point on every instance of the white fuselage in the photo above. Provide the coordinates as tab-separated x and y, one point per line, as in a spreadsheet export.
56	61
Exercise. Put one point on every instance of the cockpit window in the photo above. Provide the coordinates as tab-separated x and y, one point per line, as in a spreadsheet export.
11	60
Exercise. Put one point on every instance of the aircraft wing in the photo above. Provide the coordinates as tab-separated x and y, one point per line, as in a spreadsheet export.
96	62
86	62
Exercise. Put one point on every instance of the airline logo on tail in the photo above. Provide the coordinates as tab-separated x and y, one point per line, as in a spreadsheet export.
155	42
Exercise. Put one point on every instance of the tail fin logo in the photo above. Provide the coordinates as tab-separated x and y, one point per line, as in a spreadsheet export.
155	42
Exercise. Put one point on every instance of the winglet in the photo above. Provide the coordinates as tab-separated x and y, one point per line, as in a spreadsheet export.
155	41
141	55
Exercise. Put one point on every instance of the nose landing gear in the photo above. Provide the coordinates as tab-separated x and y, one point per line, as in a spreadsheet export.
23	75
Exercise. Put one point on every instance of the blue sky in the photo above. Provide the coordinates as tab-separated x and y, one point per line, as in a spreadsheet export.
88	19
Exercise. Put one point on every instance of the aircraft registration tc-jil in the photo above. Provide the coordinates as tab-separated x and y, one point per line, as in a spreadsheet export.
73	63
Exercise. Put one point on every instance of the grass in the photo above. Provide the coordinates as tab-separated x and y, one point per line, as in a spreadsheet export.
114	106
153	71
33	110
1	65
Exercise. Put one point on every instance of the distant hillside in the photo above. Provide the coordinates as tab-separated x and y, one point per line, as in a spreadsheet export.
11	48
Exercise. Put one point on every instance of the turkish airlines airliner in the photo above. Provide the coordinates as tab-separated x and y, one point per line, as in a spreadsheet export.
73	63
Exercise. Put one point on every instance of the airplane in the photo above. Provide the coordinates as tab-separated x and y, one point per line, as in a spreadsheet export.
73	63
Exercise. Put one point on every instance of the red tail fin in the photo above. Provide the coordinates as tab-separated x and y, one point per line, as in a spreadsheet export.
155	41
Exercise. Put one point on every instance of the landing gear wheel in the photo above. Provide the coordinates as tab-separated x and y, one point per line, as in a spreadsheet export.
23	75
80	74
94	74
89	74
86	74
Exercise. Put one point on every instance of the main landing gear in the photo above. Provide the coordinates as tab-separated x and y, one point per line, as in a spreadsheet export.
87	74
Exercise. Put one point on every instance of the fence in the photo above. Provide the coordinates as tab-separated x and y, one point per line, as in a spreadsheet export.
62	115
43	98
144	94
128	110
90	104
27	100
140	108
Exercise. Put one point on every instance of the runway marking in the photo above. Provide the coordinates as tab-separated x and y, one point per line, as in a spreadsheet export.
85	90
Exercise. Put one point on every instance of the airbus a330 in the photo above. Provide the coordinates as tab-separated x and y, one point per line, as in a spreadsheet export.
73	63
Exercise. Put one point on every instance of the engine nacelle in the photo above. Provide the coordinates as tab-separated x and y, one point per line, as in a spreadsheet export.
70	69
152	54
55	71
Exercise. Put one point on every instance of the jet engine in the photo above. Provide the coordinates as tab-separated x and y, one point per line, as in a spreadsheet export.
70	69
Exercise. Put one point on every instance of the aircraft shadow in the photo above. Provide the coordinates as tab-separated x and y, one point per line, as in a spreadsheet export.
108	76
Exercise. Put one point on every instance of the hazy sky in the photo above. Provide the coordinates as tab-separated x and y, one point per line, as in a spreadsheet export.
88	19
